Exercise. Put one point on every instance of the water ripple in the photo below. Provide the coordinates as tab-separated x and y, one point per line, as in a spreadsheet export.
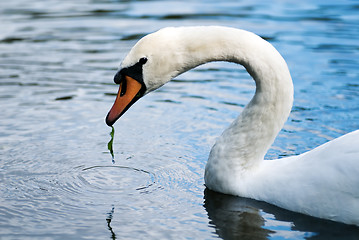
117	178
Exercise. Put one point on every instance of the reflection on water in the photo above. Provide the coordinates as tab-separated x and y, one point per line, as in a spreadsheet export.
108	220
242	218
57	62
234	218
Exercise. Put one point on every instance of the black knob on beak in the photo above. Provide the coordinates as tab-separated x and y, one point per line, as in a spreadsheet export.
118	78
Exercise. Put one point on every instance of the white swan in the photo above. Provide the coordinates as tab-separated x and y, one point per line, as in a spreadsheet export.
323	182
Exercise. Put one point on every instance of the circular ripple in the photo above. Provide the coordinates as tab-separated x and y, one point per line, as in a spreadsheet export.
117	178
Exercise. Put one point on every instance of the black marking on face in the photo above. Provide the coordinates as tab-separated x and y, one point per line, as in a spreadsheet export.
135	72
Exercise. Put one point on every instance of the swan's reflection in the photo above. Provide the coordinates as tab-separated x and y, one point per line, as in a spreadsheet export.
233	217
243	218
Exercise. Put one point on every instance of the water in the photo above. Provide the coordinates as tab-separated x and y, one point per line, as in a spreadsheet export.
57	61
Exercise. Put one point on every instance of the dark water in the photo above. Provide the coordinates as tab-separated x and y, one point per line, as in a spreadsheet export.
57	61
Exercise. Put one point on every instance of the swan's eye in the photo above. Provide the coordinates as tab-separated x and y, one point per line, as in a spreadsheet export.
143	60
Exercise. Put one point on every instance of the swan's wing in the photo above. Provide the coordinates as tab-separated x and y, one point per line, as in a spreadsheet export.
332	170
337	161
323	182
345	146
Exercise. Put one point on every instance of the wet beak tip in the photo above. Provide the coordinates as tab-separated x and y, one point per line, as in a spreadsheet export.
108	121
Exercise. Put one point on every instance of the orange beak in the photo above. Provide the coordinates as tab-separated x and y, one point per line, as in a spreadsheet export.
126	96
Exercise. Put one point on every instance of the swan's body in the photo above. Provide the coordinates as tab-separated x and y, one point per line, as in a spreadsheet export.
323	182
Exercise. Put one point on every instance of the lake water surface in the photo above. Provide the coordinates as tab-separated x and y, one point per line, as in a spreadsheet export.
57	62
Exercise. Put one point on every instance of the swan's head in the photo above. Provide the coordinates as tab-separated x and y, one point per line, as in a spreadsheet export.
152	62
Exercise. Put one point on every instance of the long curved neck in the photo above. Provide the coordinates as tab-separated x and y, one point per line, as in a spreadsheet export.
248	138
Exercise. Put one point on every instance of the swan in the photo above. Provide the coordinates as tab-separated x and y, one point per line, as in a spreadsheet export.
323	182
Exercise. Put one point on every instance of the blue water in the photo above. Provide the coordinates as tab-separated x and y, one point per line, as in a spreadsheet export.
57	62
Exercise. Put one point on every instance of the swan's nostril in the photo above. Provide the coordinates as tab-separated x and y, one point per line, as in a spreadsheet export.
123	87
